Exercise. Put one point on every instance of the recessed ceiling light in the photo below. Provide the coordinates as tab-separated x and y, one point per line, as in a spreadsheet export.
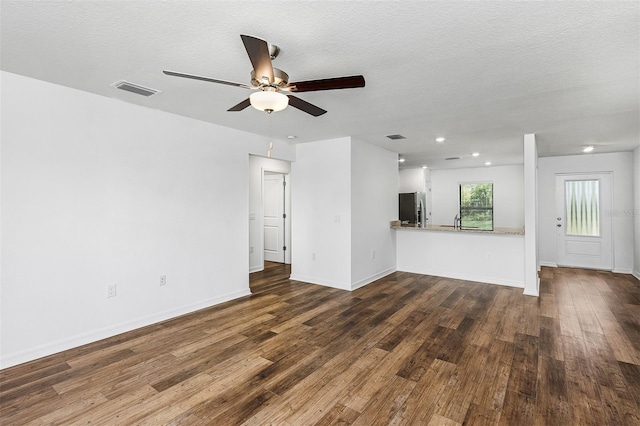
587	149
424	167
440	139
476	154
401	160
291	137
488	163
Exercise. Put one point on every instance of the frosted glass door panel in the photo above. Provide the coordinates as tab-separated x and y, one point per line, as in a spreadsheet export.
582	207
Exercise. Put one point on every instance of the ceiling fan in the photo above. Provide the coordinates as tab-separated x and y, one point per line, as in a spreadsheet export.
269	82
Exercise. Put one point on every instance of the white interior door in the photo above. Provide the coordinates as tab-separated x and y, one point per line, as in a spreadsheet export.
273	201
583	230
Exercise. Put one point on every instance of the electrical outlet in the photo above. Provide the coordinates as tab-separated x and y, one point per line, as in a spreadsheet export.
111	290
313	256
163	280
489	256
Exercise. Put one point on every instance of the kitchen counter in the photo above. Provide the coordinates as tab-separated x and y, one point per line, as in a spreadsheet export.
450	228
495	257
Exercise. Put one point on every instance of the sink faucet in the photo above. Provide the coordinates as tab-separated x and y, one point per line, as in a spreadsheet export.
456	221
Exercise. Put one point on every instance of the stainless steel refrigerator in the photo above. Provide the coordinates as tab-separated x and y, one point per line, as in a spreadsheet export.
411	208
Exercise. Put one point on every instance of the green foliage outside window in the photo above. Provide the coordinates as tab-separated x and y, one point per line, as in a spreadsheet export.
476	206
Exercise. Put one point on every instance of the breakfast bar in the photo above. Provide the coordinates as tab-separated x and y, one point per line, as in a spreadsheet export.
494	257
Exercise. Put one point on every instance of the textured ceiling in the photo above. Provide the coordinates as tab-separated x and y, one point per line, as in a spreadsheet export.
481	74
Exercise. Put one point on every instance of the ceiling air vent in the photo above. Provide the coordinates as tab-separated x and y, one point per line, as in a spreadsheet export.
134	88
395	137
453	158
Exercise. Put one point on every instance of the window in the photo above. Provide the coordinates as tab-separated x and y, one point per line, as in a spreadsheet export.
476	206
582	203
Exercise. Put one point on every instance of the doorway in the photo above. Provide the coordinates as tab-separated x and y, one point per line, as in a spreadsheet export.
583	230
272	169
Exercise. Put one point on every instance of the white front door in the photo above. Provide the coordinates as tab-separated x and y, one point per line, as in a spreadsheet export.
274	219
583	225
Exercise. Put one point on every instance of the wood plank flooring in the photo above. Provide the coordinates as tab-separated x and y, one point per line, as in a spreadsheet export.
406	349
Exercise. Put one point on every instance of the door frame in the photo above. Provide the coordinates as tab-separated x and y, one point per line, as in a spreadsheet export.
287	211
604	218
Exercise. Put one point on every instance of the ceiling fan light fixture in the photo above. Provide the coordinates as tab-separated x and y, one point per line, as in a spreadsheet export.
268	101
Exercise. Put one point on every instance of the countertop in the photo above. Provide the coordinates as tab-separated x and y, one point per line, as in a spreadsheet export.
449	228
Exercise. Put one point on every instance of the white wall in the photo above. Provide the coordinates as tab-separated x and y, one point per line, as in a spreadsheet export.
621	165
508	193
411	180
321	213
98	191
256	219
344	194
636	213
531	264
374	203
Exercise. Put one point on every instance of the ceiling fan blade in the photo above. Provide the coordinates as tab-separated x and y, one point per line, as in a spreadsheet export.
328	84
258	51
242	105
211	80
305	106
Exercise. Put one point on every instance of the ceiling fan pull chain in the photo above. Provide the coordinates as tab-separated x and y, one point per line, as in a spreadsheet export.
270	136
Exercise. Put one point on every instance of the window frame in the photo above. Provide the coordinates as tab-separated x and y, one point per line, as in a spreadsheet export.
460	208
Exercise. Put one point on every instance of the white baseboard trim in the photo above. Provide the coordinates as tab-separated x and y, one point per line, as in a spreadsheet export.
533	291
372	278
319	281
466	277
615	270
348	287
40	351
636	274
256	269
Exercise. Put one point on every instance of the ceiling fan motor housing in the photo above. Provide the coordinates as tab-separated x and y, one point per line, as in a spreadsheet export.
280	79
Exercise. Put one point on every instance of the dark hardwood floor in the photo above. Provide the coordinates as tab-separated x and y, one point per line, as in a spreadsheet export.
273	276
406	349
